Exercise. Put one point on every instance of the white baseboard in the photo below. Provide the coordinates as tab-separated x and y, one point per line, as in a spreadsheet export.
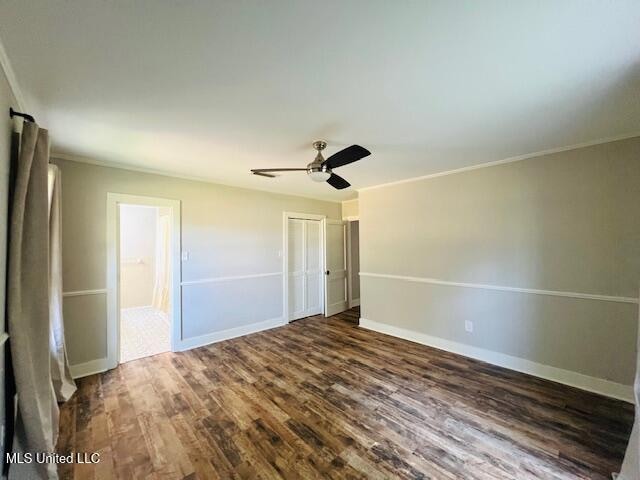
355	302
102	365
567	377
89	368
214	337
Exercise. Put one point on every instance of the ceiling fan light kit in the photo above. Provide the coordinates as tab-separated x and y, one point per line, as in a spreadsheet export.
320	170
319	175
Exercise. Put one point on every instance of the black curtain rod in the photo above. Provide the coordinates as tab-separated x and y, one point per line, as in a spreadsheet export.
26	116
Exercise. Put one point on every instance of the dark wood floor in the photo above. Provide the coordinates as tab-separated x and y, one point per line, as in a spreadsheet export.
325	399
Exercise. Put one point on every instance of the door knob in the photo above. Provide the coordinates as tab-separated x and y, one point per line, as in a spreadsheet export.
327	272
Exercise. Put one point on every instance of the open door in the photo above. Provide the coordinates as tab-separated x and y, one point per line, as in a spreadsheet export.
335	278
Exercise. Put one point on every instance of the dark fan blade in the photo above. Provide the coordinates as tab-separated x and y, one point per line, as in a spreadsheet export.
346	156
336	181
262	174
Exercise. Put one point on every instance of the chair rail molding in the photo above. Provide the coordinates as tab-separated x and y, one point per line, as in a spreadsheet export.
230	278
482	286
80	293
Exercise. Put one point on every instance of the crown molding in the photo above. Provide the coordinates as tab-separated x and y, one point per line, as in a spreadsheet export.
494	163
151	171
10	75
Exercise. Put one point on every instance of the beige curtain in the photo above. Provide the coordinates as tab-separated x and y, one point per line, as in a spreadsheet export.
631	465
160	299
28	305
63	383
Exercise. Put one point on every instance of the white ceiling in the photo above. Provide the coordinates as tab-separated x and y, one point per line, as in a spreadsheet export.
212	89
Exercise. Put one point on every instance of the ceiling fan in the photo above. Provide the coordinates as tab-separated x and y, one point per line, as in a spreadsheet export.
320	170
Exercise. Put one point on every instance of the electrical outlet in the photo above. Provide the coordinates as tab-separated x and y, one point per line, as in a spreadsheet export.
185	256
468	326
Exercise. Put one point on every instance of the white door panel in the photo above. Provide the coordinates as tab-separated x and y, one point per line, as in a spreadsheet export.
313	267
305	268
335	281
296	265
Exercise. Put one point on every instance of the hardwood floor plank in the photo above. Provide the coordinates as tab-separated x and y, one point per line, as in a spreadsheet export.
321	398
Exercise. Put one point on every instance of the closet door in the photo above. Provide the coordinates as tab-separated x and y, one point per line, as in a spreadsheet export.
313	267
305	268
296	268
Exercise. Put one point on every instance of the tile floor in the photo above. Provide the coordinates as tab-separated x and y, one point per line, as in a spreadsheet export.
144	331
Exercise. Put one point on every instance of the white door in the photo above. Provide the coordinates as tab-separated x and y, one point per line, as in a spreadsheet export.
335	279
313	267
305	268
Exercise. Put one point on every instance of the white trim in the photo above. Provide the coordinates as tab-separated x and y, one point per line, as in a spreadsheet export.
89	368
209	338
304	216
348	255
566	377
102	364
228	279
338	307
164	173
12	80
80	293
349	266
517	158
285	254
4	336
351	218
113	269
535	291
353	302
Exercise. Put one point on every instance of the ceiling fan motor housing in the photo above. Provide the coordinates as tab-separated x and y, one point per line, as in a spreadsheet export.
316	170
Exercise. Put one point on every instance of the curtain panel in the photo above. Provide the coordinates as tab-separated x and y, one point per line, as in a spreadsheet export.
160	299
63	383
33	335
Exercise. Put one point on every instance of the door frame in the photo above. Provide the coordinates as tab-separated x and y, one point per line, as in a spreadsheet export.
114	200
352	302
345	226
285	256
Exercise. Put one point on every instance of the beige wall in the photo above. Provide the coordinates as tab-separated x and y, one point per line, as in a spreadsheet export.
137	255
565	222
226	231
350	209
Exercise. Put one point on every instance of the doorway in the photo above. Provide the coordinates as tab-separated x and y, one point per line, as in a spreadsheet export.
353	262
144	281
143	277
314	265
